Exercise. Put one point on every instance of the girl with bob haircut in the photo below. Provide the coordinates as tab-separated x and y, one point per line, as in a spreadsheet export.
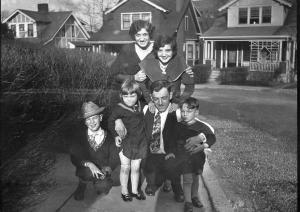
133	147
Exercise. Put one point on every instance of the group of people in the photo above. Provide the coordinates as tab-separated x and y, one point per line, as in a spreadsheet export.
152	130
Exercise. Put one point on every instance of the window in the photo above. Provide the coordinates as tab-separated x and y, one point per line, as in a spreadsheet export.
190	51
128	18
63	31
243	15
254	15
126	21
266	14
21	27
13	29
186	23
30	30
73	31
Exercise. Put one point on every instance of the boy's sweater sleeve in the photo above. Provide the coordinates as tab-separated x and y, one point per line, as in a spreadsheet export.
208	131
189	84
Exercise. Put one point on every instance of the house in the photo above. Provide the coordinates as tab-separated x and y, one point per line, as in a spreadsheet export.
168	17
46	27
258	34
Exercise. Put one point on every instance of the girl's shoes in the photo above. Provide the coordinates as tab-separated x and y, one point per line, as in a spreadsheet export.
138	196
126	197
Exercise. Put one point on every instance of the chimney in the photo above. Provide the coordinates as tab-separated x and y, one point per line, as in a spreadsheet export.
43	8
179	4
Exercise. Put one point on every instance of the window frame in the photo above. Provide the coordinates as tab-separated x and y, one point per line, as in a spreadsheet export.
246	9
13	30
186	23
29	30
262	14
130	19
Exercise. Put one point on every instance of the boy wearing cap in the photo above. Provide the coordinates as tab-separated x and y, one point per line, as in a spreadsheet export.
93	152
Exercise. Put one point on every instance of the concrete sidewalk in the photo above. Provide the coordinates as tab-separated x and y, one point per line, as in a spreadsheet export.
60	198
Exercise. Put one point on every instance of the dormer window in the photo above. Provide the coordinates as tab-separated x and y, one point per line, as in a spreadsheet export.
254	15
128	18
266	14
243	15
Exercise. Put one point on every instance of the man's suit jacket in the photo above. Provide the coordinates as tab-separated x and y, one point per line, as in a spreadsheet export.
169	132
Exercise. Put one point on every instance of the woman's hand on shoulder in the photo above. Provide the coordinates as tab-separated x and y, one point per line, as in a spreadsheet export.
189	71
173	107
151	107
118	141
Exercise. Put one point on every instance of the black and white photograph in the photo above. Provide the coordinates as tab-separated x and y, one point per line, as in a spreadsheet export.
149	106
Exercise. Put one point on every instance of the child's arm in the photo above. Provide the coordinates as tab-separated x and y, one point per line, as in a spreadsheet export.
115	114
189	88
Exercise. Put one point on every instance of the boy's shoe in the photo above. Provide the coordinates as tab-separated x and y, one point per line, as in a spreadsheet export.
149	191
196	202
188	207
79	192
126	197
179	197
167	186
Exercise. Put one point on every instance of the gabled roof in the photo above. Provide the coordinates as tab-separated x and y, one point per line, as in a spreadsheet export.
53	20
153	3
229	3
220	31
168	23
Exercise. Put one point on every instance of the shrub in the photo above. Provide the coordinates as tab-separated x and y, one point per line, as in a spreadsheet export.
233	75
23	66
201	73
260	78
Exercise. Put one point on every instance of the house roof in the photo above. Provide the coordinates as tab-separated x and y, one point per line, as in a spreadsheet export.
230	2
109	34
154	3
207	10
53	20
219	29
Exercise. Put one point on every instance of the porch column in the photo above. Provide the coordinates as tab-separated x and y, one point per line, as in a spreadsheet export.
242	56
294	52
288	61
93	48
237	57
226	56
221	59
280	51
212	50
204	51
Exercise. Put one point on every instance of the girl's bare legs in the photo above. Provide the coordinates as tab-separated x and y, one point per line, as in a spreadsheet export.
124	172
135	174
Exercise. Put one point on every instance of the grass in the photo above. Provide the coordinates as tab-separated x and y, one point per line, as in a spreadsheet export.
255	155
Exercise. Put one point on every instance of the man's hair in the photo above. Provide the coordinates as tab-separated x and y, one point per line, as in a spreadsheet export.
138	25
163	40
158	85
130	86
191	102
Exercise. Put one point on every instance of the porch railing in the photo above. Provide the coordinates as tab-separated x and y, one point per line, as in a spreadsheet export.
265	67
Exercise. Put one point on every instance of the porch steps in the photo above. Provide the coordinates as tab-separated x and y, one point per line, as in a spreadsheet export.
214	76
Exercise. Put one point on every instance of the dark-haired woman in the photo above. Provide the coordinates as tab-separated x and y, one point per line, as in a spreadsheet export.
166	64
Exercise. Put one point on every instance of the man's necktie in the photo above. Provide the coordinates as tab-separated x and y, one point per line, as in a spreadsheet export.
155	141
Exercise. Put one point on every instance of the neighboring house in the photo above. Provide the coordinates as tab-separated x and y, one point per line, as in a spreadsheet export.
46	27
259	34
168	16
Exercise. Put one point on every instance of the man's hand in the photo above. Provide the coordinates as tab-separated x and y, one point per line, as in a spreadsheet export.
118	141
140	76
173	107
151	107
170	155
194	144
95	171
120	128
189	71
106	170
